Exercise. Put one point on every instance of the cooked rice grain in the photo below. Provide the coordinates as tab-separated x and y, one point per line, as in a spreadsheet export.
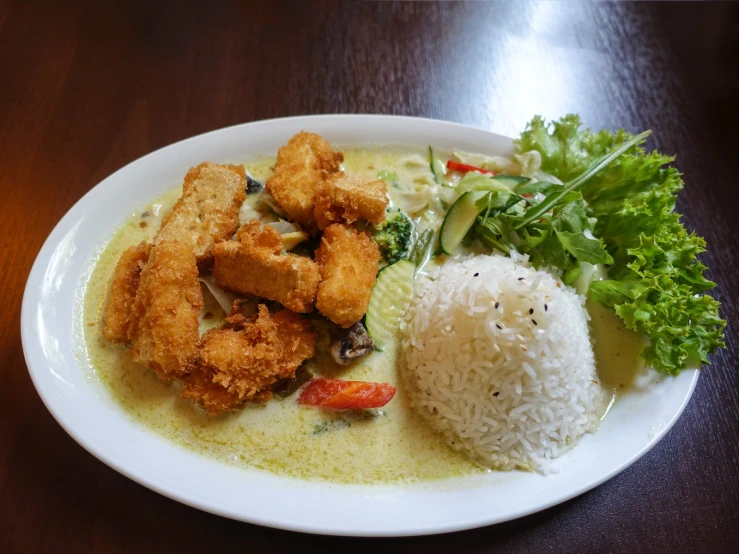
509	392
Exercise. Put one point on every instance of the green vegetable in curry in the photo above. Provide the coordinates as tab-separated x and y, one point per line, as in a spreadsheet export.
394	236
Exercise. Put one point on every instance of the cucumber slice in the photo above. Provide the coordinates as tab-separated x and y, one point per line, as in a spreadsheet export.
510	181
459	219
437	168
390	298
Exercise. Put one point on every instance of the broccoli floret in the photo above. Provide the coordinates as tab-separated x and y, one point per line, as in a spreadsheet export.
394	236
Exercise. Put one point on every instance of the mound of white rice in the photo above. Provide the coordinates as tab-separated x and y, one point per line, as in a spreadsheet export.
498	357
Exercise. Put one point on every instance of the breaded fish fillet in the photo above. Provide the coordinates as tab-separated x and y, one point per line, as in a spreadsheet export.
122	293
298	341
348	263
302	165
239	365
208	210
346	198
254	264
164	321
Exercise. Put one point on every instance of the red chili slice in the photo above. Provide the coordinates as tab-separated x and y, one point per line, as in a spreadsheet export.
345	395
464	168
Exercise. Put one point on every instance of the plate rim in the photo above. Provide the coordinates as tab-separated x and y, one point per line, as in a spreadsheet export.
27	319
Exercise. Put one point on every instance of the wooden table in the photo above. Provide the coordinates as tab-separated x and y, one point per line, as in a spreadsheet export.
85	89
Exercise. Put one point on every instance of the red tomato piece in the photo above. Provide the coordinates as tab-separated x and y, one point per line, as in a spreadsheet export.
464	168
345	395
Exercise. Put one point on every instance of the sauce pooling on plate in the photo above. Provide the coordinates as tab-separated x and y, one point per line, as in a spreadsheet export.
391	444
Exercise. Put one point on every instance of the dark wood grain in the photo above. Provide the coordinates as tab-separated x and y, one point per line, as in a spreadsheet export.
86	88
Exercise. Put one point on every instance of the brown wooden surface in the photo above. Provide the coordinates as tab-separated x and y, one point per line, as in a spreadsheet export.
85	89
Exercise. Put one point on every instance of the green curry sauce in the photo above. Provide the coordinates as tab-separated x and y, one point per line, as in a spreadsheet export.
389	445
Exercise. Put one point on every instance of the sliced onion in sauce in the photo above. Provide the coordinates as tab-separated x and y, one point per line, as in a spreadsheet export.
224	299
284	227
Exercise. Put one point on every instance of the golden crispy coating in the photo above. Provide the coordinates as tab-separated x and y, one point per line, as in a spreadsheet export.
346	198
208	210
122	293
239	365
164	320
298	341
348	262
302	165
254	264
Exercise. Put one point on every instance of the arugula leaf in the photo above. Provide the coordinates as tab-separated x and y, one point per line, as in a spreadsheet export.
491	233
570	223
655	279
595	166
536	186
551	252
533	235
493	201
583	248
562	239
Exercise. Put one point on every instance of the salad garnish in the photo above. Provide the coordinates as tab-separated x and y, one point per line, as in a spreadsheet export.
599	199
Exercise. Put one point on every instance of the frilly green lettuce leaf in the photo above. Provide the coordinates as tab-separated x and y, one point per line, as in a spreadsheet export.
655	278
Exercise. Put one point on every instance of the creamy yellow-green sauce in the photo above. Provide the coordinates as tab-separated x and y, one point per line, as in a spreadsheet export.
392	444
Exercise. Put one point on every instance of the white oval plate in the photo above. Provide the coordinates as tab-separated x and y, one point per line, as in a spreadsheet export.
80	405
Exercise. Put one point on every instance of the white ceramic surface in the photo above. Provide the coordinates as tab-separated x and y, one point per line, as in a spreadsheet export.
51	342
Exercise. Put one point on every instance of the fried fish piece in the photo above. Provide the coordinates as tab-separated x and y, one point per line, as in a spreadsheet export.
164	320
298	341
346	198
240	364
302	166
347	260
123	287
208	210
255	264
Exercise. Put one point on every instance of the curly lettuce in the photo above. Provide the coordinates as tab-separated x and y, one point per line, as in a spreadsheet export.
655	279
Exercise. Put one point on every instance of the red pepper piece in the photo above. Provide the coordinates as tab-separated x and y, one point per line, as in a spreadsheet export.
345	395
464	168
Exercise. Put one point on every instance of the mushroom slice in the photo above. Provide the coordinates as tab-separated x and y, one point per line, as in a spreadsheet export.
350	344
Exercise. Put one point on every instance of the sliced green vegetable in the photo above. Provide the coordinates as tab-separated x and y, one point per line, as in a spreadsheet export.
437	168
394	236
390	177
423	248
459	219
389	301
